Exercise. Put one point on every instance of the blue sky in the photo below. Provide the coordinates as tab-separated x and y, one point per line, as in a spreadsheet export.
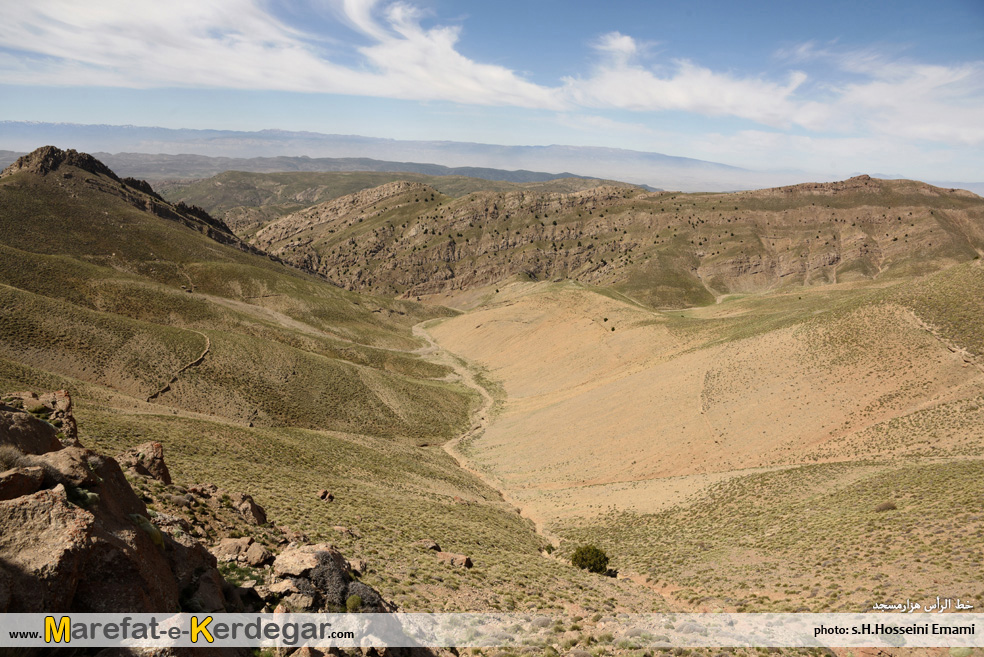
886	87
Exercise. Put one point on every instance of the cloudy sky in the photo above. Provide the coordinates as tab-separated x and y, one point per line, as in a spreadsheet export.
884	87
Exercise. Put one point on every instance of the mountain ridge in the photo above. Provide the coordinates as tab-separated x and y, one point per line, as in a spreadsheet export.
662	248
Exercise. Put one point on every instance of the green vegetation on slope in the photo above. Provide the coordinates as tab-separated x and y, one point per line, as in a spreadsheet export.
247	201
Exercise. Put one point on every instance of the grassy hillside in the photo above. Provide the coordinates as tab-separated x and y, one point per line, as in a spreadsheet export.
247	201
98	288
264	379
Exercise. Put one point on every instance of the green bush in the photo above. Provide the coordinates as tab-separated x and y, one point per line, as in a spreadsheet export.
588	557
353	603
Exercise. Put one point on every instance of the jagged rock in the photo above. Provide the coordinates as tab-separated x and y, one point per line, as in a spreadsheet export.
75	537
428	544
325	495
172	524
249	509
299	560
322	572
453	559
20	481
257	556
63	557
55	408
230	549
77	466
46	159
283	587
147	460
196	572
301	602
291	536
27	433
84	542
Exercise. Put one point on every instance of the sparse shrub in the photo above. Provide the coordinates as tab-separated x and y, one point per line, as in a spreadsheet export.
591	558
886	506
353	603
10	457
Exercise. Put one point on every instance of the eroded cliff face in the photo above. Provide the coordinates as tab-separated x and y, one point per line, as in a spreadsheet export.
404	238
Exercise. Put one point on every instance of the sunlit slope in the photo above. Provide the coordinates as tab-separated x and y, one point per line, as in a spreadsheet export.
149	304
663	249
247	201
595	416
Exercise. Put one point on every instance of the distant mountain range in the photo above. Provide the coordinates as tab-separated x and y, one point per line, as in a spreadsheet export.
302	149
158	167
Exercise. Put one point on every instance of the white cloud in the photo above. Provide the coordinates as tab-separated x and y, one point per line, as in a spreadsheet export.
619	81
895	96
239	44
235	44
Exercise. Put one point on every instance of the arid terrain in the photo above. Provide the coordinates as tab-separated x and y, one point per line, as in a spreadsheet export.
759	401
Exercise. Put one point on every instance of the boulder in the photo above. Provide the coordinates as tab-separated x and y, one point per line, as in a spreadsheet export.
325	495
283	587
26	433
428	544
257	555
230	549
249	509
63	557
146	460
372	602
300	602
196	574
299	560
452	559
20	481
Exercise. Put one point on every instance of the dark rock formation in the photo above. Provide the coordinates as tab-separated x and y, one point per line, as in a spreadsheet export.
147	460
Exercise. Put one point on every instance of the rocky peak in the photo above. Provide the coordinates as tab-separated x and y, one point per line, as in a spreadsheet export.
47	159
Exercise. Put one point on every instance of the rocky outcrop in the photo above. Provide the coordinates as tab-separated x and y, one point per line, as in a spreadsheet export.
457	560
47	159
147	460
672	249
317	578
75	536
84	542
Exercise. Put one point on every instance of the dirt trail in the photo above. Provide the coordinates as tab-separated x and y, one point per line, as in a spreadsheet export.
195	363
481	419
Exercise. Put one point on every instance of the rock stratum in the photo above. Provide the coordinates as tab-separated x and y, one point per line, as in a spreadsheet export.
665	249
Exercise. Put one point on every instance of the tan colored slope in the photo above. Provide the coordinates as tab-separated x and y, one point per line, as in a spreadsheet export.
641	416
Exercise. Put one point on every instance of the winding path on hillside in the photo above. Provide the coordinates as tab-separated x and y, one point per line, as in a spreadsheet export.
195	363
480	420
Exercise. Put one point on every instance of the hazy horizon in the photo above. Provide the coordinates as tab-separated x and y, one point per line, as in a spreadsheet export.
770	86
